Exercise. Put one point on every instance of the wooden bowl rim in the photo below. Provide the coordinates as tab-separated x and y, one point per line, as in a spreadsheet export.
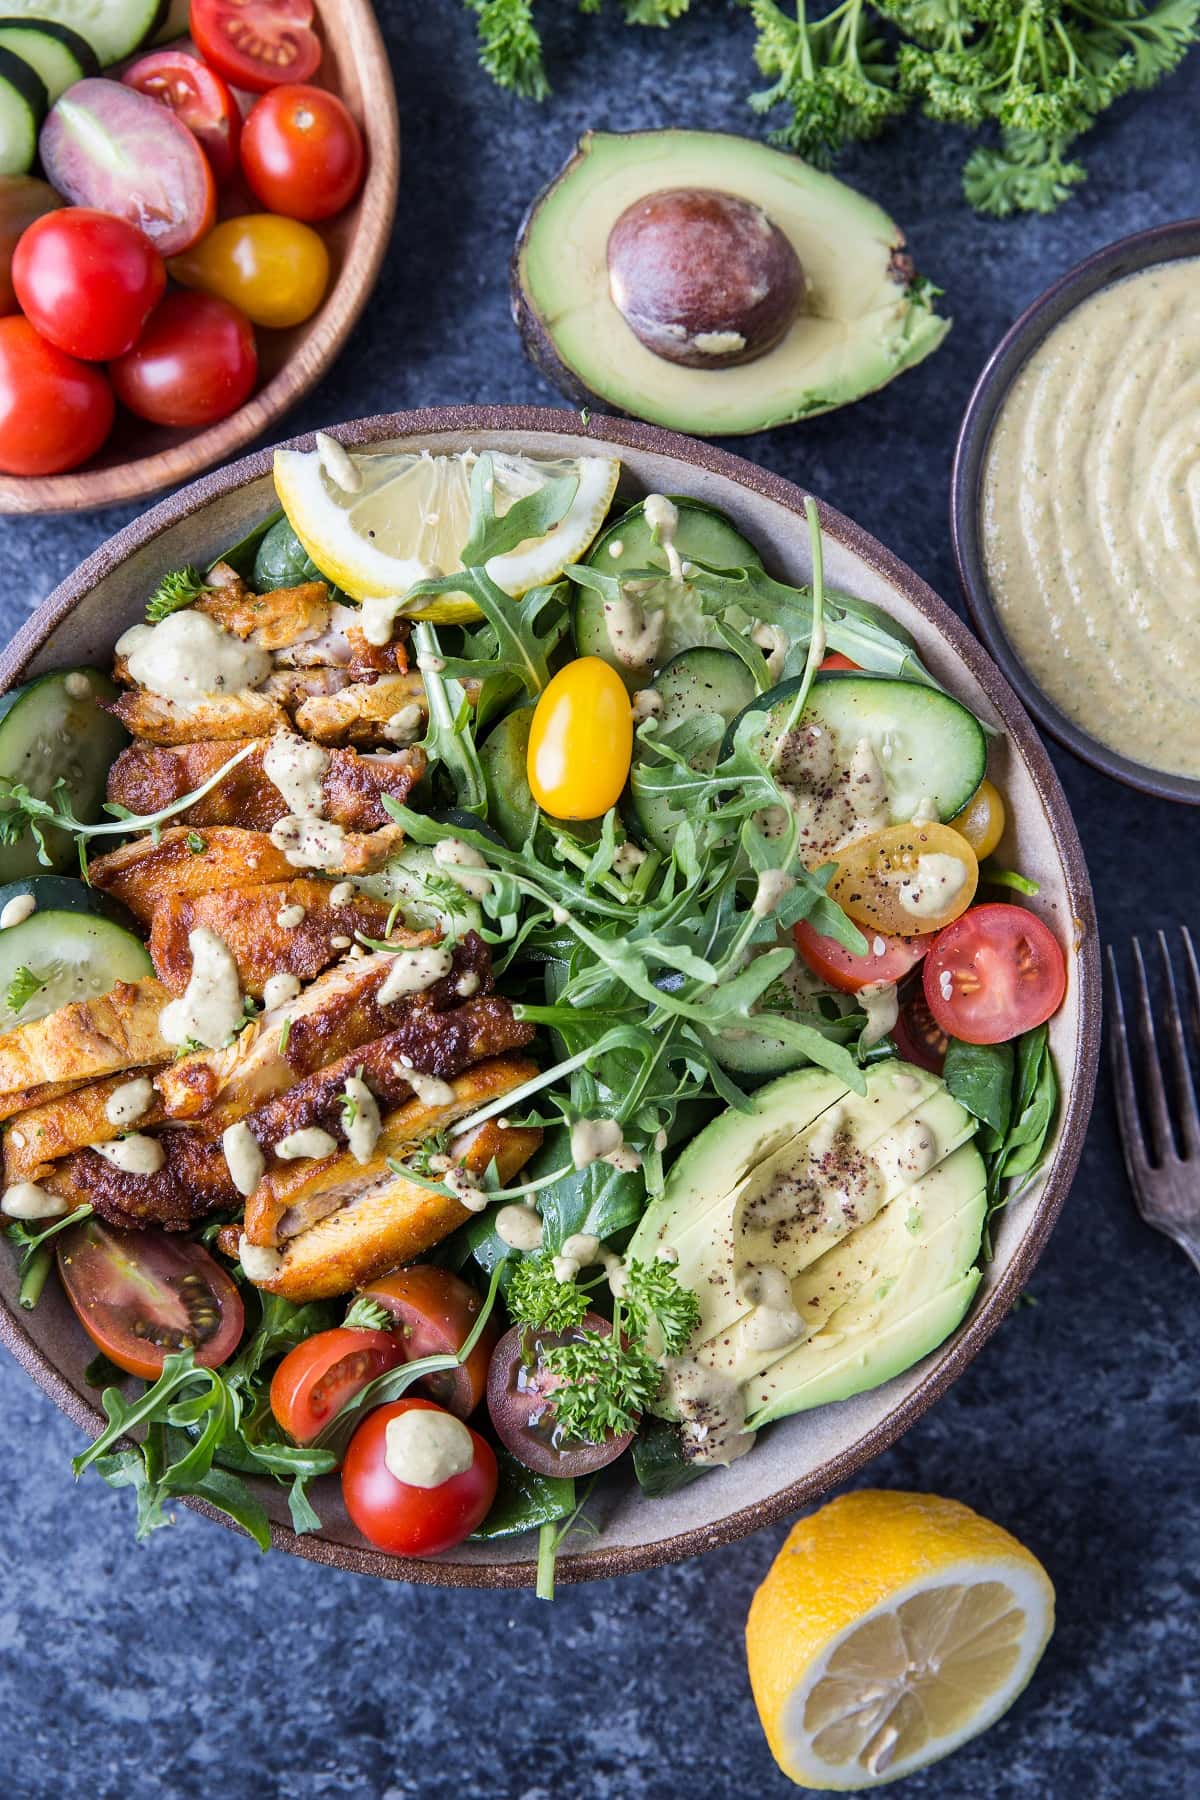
1079	1083
82	490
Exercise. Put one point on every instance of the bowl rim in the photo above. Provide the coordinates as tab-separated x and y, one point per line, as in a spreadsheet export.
1125	256
1078	1085
140	477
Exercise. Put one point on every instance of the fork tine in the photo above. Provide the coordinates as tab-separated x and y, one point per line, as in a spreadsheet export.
1189	1117
1133	1144
1162	1142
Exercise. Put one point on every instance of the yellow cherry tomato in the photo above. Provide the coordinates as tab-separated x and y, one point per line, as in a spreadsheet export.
906	880
981	820
275	269
580	741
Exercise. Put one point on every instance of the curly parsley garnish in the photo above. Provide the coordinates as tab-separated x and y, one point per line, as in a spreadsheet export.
178	589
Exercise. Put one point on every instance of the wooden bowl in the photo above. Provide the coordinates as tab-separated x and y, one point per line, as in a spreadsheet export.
141	459
799	1458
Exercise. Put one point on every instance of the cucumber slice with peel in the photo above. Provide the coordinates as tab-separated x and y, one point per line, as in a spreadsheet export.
64	893
703	535
55	53
114	28
55	958
698	681
928	745
23	104
52	730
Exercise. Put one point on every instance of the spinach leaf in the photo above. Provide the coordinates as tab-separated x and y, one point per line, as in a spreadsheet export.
658	1460
524	1501
980	1076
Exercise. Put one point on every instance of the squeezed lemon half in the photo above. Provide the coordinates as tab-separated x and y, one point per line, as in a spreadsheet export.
889	1630
395	516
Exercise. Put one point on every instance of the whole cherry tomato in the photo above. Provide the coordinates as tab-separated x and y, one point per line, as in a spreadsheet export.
54	410
88	281
275	269
315	1380
256	43
302	153
199	99
195	362
982	819
580	741
390	1478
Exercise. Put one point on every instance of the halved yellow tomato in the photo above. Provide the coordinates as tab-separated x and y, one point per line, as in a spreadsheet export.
580	741
906	879
981	820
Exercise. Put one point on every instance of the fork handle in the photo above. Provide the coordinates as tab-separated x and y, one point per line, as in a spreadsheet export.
1187	1236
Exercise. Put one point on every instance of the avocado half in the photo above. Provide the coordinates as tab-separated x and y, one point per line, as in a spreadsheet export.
865	316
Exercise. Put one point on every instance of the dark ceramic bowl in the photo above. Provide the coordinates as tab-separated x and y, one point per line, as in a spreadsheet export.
800	1458
1163	243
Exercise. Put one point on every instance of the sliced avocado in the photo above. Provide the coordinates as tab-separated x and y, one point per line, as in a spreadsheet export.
863	314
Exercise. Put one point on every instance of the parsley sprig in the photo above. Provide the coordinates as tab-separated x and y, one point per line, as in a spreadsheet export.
177	590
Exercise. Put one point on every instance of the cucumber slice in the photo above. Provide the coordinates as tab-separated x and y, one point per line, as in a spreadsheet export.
927	744
113	28
696	681
512	809
23	106
55	958
704	535
48	734
429	899
63	893
55	53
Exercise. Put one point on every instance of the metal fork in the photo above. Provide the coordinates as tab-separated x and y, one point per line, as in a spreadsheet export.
1166	1178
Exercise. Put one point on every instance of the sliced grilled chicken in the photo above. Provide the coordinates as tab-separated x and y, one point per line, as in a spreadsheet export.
146	778
363	712
223	718
90	1038
255	923
283	618
291	687
24	1099
339	1011
46	1133
343	646
143	874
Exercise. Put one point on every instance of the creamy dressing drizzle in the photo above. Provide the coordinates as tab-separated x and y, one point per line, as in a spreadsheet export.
520	1227
188	657
647	704
881	1003
833	803
772	640
130	1102
243	1157
288	917
413	971
134	1155
279	989
17	910
430	1090
423	1449
579	1251
662	516
310	843
774	885
602	1140
633	633
309	1142
406	725
627	857
933	886
25	1200
258	1263
365	1125
211	1007
297	768
460	861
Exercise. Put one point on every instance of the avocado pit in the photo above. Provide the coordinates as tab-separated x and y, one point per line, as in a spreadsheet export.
703	278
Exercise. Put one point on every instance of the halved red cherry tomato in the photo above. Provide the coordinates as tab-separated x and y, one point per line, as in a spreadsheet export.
994	973
409	1518
835	660
317	1378
435	1314
302	153
887	958
256	44
142	1295
54	410
88	281
199	99
194	364
918	1037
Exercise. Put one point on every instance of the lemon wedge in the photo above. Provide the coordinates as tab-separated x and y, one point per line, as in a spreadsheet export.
889	1630
378	522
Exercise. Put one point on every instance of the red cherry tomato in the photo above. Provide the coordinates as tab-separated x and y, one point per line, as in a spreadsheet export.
195	362
256	44
435	1314
887	958
993	973
401	1517
198	97
918	1037
88	281
316	1379
54	410
302	153
140	1295
835	660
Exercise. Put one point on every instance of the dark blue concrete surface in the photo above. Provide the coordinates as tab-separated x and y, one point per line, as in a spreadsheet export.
195	1666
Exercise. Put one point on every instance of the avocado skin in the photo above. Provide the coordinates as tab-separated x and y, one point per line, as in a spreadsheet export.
538	341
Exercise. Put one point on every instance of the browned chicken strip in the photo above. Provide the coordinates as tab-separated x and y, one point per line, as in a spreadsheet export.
222	719
359	713
22	1099
52	1130
195	1179
291	687
146	778
343	646
254	922
90	1038
338	1011
142	873
273	621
